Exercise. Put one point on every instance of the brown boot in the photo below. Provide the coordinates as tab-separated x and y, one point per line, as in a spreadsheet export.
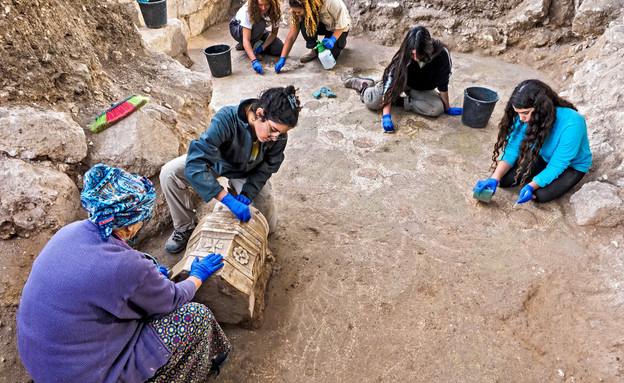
308	56
358	83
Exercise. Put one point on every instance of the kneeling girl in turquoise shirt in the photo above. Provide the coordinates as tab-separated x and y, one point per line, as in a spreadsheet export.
542	144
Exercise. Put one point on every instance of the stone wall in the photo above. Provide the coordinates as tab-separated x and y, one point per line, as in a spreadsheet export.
597	92
486	26
196	15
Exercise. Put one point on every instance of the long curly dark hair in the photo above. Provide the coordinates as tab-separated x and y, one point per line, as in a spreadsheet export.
312	10
275	11
419	39
529	94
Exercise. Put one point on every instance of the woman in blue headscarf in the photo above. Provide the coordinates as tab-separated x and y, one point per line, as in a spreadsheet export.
96	310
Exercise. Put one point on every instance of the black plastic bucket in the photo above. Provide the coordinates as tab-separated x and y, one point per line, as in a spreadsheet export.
154	13
219	60
479	103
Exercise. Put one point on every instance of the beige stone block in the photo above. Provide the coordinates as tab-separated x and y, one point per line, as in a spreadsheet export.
181	8
139	144
29	133
169	40
234	293
199	21
135	12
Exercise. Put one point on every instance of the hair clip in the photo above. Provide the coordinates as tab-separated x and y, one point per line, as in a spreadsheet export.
293	101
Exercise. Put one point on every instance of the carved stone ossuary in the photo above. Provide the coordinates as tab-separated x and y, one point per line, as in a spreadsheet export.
234	293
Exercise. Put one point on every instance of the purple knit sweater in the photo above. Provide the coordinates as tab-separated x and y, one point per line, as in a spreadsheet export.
85	307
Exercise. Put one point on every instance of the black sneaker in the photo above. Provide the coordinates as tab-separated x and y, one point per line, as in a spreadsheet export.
239	47
218	361
399	102
177	241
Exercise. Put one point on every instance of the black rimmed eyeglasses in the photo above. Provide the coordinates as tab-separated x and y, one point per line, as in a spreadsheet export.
281	137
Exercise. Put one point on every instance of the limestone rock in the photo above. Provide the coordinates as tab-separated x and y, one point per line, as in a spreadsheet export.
197	15
235	293
169	40
528	14
561	12
177	8
185	88
599	99
33	198
134	10
30	133
200	20
139	144
593	16
598	203
161	216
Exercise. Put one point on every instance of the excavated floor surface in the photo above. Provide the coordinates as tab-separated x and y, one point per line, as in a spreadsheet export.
387	270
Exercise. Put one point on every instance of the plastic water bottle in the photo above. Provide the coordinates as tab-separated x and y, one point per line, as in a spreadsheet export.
325	55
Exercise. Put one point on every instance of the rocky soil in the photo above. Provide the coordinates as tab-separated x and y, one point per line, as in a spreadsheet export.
386	268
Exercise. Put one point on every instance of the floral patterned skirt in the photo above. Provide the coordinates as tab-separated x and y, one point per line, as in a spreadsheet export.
194	337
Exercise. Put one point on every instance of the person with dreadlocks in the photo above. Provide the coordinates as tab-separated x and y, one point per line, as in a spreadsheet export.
244	143
96	310
248	28
328	18
542	144
421	65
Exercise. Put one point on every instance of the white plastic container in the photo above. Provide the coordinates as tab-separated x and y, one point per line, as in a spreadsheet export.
326	57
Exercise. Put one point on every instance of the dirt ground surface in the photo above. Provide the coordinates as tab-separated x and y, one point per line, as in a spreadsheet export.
389	271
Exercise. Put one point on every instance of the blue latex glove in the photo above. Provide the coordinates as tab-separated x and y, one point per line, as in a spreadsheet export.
258	50
238	208
243	199
387	123
163	271
329	43
489	183
208	265
280	64
257	67
526	194
454	111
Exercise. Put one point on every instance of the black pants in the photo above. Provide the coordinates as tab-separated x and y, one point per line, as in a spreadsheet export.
341	43
258	32
555	189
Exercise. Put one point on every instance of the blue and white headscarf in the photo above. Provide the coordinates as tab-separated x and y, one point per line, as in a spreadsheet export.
116	198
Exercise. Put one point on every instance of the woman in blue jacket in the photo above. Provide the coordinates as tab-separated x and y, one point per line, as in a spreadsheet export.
542	144
245	144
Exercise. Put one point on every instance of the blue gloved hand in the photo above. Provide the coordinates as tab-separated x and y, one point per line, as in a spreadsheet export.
163	271
329	43
208	265
258	50
238	208
280	64
387	123
489	183
243	199
453	111
526	194
257	67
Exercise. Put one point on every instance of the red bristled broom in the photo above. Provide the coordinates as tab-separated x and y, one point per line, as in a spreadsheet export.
117	112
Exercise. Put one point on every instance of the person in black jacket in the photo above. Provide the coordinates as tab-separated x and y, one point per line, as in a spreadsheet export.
421	65
244	143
